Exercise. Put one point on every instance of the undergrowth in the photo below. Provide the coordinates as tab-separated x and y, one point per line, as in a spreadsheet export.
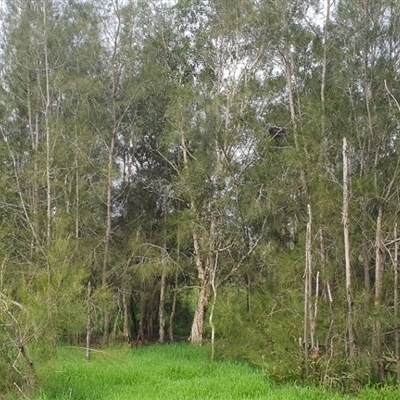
177	371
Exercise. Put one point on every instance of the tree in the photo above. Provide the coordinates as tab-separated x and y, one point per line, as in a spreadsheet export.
46	197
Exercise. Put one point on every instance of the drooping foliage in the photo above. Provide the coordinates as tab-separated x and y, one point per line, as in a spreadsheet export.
185	158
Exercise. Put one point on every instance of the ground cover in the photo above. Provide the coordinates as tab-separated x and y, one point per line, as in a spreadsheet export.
168	372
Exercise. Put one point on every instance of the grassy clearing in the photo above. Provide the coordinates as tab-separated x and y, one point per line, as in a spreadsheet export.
166	372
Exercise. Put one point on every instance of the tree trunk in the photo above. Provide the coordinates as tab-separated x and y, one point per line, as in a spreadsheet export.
127	315
77	193
396	303
47	129
377	340
173	308
248	292
289	73
349	294
366	259
110	166
197	329
324	138
307	295
213	285
196	333
34	133
141	330
88	320
161	316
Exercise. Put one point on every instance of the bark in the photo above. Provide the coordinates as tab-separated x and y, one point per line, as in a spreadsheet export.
88	320
161	316
34	133
141	339
349	294
77	193
173	309
396	303
366	259
248	293
161	311
214	301
324	140
47	128
377	340
175	293
307	295
327	286
323	84
197	330
207	274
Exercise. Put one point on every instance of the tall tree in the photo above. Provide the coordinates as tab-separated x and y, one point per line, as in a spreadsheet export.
45	71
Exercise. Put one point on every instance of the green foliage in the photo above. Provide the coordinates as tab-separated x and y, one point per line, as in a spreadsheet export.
266	336
48	305
14	366
191	93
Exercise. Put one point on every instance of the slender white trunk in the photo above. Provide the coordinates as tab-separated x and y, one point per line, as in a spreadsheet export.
173	308
77	192
161	316
307	294
110	166
290	75
349	295
47	126
107	238
88	320
377	340
214	302
34	133
396	303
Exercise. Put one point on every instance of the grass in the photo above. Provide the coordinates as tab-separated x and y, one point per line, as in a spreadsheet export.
176	372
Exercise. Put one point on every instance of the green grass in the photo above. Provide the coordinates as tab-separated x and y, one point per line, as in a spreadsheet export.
167	372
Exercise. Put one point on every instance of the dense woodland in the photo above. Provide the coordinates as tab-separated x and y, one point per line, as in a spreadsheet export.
220	170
